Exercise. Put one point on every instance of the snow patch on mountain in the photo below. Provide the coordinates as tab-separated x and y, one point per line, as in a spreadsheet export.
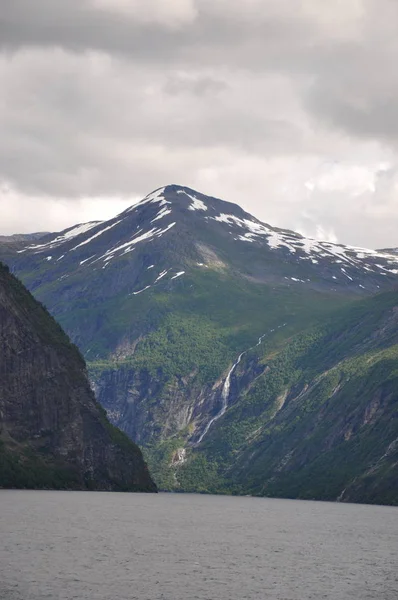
247	237
158	279
156	196
197	204
129	246
313	250
276	240
162	274
87	259
68	235
143	290
253	227
162	213
97	235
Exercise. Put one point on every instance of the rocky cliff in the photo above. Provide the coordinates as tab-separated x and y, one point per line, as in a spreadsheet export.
53	433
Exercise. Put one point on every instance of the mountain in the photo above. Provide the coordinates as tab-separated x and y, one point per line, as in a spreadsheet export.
22	237
178	228
316	418
53	434
199	324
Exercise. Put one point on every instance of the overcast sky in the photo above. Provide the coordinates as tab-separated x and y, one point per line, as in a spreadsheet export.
287	107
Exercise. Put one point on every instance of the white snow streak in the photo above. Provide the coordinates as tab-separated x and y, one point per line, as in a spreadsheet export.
86	259
68	235
310	249
162	274
196	203
163	212
252	226
97	235
143	290
158	278
156	196
136	239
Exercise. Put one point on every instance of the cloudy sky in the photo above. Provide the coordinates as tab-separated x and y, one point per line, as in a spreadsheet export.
287	107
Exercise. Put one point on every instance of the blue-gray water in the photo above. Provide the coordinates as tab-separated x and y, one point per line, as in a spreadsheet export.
99	546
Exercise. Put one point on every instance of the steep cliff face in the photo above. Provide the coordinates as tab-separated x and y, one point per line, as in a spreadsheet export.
52	431
152	408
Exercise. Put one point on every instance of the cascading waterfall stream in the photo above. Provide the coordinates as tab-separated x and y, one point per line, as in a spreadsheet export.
227	386
224	398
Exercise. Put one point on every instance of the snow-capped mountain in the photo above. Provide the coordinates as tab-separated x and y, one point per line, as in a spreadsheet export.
175	228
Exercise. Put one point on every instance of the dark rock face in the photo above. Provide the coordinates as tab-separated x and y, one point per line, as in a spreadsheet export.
150	409
52	431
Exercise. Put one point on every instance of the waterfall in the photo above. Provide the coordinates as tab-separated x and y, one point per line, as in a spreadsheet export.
227	385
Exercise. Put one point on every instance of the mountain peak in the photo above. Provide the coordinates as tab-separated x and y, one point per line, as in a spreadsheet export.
175	194
184	199
177	228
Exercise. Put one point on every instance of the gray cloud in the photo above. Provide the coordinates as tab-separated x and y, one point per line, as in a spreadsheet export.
209	30
184	83
93	125
248	100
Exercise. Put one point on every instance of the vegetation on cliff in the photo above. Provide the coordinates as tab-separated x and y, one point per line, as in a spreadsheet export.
53	433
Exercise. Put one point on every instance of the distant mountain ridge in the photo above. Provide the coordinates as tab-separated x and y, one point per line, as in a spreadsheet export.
22	237
168	301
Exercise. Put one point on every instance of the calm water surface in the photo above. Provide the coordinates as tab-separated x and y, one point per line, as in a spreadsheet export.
99	546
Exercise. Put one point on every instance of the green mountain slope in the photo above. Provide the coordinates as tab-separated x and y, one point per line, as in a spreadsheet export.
320	420
53	434
167	380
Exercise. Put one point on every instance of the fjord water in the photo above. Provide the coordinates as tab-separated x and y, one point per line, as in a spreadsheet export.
108	546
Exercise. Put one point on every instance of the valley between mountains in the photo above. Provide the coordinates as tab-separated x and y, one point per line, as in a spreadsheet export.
241	357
